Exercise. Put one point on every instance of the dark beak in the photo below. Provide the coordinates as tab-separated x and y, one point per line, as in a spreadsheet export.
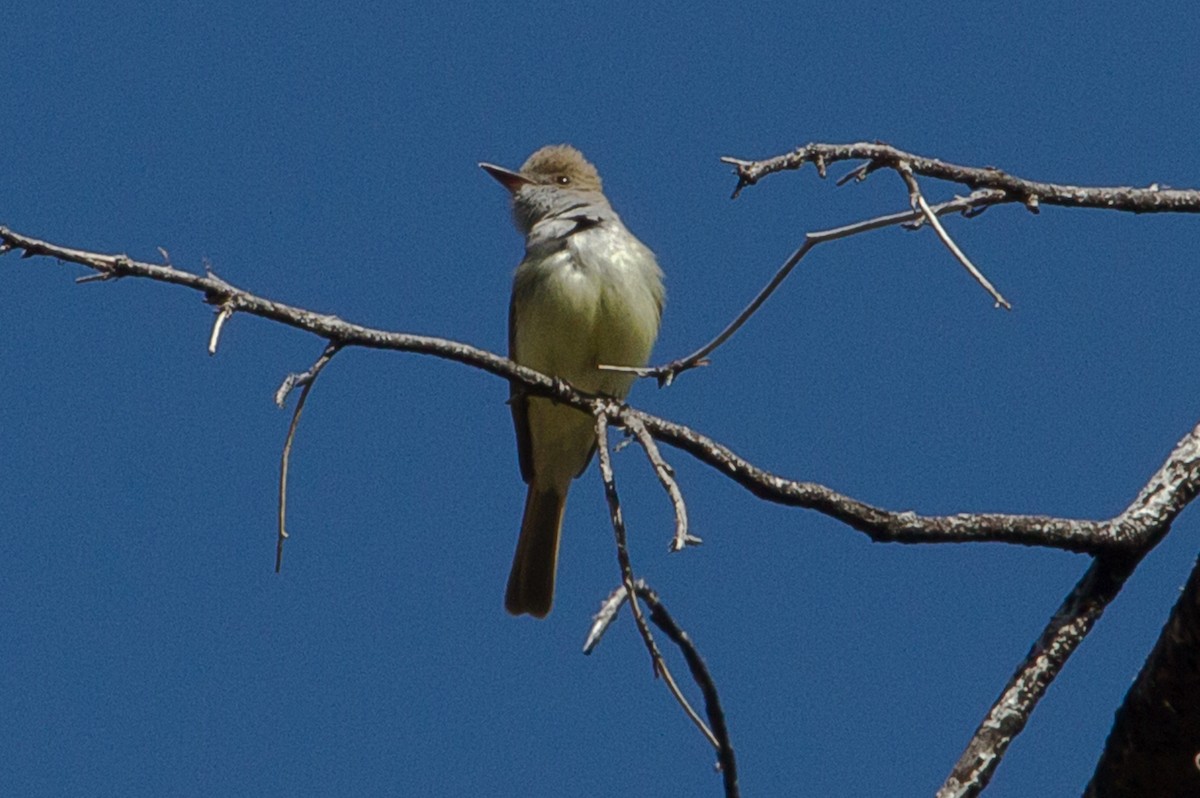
506	177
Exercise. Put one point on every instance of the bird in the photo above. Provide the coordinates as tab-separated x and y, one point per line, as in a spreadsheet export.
587	293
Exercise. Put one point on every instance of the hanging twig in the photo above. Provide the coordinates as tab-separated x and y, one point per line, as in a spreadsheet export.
918	203
305	381
666	476
718	735
600	413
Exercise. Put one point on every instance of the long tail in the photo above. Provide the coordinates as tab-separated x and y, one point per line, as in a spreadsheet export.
531	581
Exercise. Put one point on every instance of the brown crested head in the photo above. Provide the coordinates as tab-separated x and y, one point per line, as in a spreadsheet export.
561	165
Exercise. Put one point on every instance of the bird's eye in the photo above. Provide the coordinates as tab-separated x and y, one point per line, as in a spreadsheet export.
563	180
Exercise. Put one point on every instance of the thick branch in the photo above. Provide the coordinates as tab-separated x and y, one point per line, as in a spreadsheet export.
1154	745
1148	519
1163	497
1171	488
1058	641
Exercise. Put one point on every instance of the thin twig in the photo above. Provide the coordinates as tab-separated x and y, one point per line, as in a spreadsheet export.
600	414
666	373
98	277
700	674
666	476
618	522
305	379
918	203
603	619
222	316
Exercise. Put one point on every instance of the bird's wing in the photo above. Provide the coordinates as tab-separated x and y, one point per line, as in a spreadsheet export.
518	402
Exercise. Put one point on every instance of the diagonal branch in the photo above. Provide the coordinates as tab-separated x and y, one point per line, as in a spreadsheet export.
975	203
1171	488
918	202
712	700
719	736
1058	641
666	476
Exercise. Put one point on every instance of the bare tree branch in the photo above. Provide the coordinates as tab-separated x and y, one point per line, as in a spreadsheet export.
975	203
1058	641
1118	544
1148	518
1127	532
1152	199
1172	487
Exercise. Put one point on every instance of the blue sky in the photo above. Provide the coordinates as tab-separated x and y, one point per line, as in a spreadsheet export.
326	157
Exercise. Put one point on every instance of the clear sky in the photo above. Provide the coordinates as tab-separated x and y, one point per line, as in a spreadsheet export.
325	155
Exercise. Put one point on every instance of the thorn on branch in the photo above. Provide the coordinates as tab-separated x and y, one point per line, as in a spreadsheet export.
98	277
742	170
819	162
858	173
604	618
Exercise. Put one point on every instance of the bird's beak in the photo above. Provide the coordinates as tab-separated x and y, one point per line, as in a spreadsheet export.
506	177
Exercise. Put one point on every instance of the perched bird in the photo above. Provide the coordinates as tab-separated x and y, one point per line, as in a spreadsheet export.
587	294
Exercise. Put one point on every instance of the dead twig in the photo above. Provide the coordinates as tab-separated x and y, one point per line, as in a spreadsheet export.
918	202
666	373
660	617
600	414
222	316
666	476
305	380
